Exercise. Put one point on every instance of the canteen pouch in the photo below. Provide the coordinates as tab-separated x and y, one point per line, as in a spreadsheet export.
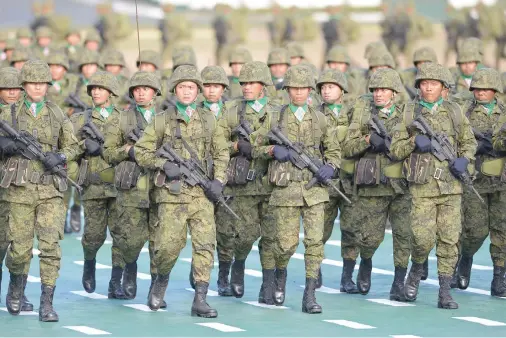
417	168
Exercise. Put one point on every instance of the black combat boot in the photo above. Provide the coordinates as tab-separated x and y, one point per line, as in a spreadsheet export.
46	311
397	290
455	277
319	281
347	284
445	300
309	304
157	292
14	297
280	290
115	289
191	279
464	270
425	273
153	279
498	285
267	289
413	282
89	282
224	288
200	308
364	276
237	278
26	306
130	280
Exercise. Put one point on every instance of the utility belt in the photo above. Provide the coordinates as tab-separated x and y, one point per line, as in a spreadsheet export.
420	168
281	174
19	172
370	171
240	171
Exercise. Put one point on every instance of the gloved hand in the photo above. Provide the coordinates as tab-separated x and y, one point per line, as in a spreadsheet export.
422	144
52	160
377	143
484	147
325	173
459	166
131	154
172	171
92	148
281	153
244	148
7	146
215	190
135	134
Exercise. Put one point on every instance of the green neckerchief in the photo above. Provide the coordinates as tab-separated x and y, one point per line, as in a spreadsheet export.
85	81
235	79
35	107
186	111
489	106
209	105
57	85
258	104
466	77
3	105
276	79
430	105
105	112
335	108
298	111
387	111
147	113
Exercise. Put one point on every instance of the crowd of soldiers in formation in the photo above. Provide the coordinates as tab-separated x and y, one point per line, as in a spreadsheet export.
238	158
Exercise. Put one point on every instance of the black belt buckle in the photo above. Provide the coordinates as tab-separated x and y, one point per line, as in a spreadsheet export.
251	175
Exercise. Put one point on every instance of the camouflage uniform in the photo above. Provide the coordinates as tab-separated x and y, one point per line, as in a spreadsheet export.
112	26
463	81
38	51
278	56
280	28
152	57
421	55
73	51
179	205
174	29
354	77
61	89
10	46
19	56
241	56
116	58
436	203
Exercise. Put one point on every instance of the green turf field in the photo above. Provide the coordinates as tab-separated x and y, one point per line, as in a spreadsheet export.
82	314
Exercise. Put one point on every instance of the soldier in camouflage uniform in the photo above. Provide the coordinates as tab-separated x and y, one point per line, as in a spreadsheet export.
215	83
8	50
93	41
63	82
73	48
290	199
280	28
467	63
192	134
436	201
238	57
174	28
113	62
278	62
99	195
421	56
338	58
19	57
382	191
112	26
484	113
88	65
25	37
296	53
43	39
35	202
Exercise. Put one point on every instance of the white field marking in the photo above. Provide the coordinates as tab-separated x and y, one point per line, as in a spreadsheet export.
33	279
189	260
142	307
404	336
210	293
388	231
333	243
98	265
482	321
89	295
475	266
389	302
350	324
221	327
107	241
22	313
324	289
272	307
36	252
87	330
143	276
254	273
144	250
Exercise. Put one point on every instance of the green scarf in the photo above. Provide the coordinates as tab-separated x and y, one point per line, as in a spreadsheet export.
387	111
105	112
186	110
335	108
489	106
467	77
254	103
146	113
85	81
297	112
235	79
430	105
37	106
208	104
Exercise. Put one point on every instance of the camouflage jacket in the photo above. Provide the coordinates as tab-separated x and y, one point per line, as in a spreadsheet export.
234	91
82	93
60	90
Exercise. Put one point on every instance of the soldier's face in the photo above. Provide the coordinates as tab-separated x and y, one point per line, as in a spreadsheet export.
279	70
18	64
44	42
89	69
484	95
298	96
25	42
252	90
114	69
331	93
92	45
2	45
100	96
295	60
147	67
8	53
187	92
35	91
236	68
143	95
10	95
468	68
73	39
431	90
57	72
340	66
383	97
213	92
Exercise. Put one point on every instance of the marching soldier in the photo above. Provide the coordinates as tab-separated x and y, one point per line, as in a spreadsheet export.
238	57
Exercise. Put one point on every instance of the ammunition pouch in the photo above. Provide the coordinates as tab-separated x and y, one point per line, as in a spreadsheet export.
239	172
173	186
18	171
418	168
348	166
493	168
281	174
126	175
368	171
73	170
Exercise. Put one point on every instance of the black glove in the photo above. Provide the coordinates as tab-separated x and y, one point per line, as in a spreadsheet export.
325	173
7	146
244	148
52	160
135	134
281	153
215	190
172	171
484	147
377	143
92	148
459	166
422	144
131	154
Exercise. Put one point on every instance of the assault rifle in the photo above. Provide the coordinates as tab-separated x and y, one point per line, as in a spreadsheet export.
377	125
75	102
90	130
243	130
487	137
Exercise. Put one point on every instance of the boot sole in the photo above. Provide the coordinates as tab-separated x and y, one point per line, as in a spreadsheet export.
351	292
49	320
25	308
312	311
196	314
441	306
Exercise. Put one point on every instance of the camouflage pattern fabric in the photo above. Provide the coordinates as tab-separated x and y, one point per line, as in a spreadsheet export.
4	230
132	231
214	75
10	78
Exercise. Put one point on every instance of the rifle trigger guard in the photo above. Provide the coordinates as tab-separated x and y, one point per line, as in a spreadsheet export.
437	173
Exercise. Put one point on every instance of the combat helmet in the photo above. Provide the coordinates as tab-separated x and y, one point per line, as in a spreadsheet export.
338	54
92	35
20	54
332	76
145	79
184	55
431	71
278	56
469	55
103	80
487	78
36	71
424	54
239	55
113	57
255	71
386	78
10	77
295	50
43	32
471	43
448	76
58	59
214	74
88	57
185	73
374	47
299	76
24	32
381	58
149	56
11	44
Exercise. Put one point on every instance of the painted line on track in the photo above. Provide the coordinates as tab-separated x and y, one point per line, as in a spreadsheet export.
350	324
142	307
265	306
221	327
389	302
93	295
87	330
482	321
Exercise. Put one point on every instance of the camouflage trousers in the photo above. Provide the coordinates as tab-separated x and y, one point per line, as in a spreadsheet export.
100	214
170	229
153	214
370	215
4	230
349	237
132	231
45	219
436	220
287	220
235	238
479	219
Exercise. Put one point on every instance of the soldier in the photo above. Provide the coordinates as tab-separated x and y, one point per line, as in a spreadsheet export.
10	46
296	53
238	57
41	213
421	56
467	63
215	83
174	28
436	192
73	48
93	41
133	204
112	26
113	62
87	66
339	29
377	60
19	57
42	47
484	113
222	31
382	191
280	28
63	82
337	58
192	133
290	199
98	196
454	26
278	62
4	36
149	61
25	37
